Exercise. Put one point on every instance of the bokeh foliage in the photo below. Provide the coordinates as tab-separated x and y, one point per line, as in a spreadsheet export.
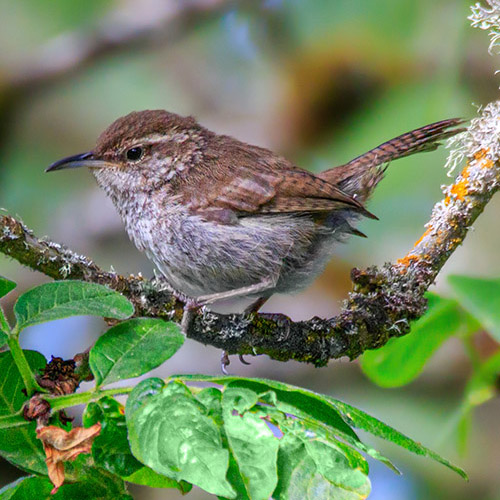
320	81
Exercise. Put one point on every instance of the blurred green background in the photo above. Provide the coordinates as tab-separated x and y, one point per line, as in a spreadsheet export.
319	81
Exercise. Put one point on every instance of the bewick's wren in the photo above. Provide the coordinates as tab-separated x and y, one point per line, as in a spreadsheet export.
221	218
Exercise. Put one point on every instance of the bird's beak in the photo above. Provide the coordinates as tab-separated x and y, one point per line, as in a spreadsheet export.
75	161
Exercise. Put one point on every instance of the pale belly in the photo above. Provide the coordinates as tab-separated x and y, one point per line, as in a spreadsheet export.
200	258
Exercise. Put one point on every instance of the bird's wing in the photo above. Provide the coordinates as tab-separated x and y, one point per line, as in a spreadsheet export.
263	183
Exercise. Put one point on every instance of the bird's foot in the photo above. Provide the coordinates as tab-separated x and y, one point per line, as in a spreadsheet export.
224	362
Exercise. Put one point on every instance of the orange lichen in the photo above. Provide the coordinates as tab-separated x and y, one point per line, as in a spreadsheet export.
459	190
487	163
454	242
427	232
439	235
481	154
407	260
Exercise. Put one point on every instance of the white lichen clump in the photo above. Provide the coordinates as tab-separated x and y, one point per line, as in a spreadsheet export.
488	18
482	136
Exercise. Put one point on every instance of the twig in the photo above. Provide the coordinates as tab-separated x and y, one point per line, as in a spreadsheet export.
129	27
383	302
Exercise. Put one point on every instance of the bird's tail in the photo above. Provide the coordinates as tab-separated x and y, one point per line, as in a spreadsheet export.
360	176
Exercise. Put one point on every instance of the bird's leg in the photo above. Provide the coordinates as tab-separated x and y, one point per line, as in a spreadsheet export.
256	288
255	306
252	308
231	294
192	304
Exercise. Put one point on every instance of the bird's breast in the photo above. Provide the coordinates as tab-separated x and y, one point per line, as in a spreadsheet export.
201	257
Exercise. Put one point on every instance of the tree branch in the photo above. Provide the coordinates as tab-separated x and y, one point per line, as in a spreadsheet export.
381	306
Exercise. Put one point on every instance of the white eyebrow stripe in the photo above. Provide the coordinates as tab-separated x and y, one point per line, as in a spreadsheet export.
178	137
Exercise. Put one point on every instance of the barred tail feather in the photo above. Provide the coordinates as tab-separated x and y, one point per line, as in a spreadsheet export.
360	176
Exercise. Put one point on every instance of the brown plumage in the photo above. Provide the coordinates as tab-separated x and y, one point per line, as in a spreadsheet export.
222	218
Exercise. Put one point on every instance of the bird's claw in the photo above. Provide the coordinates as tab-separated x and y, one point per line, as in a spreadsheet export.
243	360
224	362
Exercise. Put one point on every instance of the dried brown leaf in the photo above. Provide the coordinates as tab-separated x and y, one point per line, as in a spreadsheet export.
61	446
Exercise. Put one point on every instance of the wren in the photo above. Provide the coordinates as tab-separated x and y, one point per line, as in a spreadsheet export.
221	218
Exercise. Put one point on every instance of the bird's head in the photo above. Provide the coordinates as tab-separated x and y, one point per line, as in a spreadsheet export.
141	151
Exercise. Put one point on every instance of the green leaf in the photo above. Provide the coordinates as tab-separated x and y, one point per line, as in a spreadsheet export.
402	359
133	348
211	399
94	485
251	442
337	468
483	385
19	444
111	449
6	286
310	430
170	431
481	297
298	477
312	470
298	400
61	299
302	403
235	479
142	394
85	482
148	477
317	407
27	488
481	388
362	420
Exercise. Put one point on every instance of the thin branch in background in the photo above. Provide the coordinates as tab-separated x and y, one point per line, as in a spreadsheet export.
131	26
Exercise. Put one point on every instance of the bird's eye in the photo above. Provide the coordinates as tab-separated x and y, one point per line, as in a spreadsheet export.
134	154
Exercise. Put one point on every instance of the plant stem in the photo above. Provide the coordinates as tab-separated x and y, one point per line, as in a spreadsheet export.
61	402
21	362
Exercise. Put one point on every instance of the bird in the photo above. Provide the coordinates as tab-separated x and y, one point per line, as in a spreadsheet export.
224	219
